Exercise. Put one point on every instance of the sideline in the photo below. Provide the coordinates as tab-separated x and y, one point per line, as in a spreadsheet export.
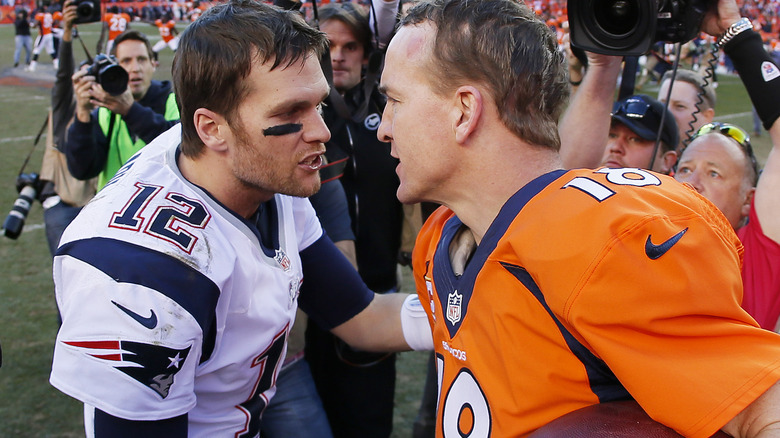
12	139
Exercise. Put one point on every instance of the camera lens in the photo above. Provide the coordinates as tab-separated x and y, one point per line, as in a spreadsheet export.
14	222
85	9
616	17
113	79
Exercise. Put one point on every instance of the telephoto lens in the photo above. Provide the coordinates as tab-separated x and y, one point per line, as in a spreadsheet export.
15	221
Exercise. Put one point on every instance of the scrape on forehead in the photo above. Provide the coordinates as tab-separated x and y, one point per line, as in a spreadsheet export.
416	39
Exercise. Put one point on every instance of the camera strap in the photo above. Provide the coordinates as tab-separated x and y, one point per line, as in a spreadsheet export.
629	76
35	143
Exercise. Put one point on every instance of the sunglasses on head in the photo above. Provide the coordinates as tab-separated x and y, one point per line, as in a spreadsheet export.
733	132
635	109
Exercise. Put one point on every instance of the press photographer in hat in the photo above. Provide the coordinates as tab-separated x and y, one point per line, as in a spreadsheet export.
632	135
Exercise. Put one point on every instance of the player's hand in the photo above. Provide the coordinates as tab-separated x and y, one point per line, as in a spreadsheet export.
717	20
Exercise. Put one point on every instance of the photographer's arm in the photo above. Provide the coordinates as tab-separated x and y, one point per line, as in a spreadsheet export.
584	127
62	92
146	123
86	149
750	60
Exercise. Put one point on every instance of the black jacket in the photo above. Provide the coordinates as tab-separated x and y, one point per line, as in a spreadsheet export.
370	183
86	147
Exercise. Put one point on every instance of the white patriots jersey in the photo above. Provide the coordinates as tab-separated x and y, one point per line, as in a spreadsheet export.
171	305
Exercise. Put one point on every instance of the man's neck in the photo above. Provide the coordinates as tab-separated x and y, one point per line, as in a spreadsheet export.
479	198
209	171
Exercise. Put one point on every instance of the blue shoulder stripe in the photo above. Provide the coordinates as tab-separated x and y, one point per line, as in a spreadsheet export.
129	263
603	382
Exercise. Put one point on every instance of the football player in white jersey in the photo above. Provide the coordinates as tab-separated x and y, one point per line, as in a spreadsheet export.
179	282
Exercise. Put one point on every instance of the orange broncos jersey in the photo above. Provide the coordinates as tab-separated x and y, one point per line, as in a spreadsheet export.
592	286
46	21
165	29
117	23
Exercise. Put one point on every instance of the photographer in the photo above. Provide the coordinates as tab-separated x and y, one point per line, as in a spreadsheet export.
109	129
62	194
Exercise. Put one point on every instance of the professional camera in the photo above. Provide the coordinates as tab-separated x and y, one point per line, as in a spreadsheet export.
109	74
87	11
631	27
28	185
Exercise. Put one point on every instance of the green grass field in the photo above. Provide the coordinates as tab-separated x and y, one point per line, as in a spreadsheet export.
29	406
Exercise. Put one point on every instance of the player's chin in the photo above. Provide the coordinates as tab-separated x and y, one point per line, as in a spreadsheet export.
407	196
306	186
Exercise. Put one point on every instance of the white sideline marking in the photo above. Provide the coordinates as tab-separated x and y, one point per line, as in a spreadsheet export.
12	139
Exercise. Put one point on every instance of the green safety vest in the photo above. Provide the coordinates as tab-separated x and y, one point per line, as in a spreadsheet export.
121	145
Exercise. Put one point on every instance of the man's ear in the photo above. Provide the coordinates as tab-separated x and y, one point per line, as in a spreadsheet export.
668	158
745	209
708	115
467	110
212	129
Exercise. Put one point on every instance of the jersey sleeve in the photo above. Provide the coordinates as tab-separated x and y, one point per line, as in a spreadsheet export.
307	225
332	291
133	326
660	305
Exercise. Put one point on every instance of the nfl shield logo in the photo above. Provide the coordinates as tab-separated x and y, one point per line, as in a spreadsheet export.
453	307
282	259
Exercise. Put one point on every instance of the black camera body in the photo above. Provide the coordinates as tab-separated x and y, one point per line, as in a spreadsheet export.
87	11
631	27
109	74
29	185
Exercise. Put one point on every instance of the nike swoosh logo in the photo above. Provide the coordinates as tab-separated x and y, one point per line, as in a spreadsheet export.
655	251
149	322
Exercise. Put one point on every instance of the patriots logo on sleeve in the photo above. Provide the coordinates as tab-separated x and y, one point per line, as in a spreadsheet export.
152	365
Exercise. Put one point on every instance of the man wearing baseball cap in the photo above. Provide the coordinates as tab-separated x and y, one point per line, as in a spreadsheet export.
635	125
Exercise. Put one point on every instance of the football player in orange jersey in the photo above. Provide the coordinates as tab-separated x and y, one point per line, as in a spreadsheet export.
170	36
195	12
114	23
45	40
551	290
